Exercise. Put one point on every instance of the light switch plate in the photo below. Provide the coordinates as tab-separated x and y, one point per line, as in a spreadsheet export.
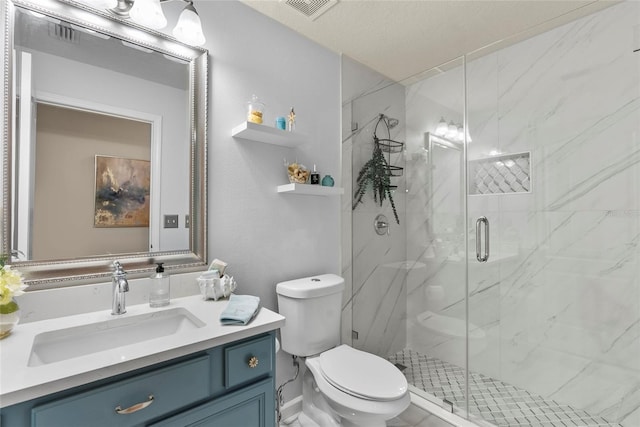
171	221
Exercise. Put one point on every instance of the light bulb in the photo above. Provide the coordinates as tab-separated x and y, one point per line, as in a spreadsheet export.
189	28
452	131
442	128
148	13
460	134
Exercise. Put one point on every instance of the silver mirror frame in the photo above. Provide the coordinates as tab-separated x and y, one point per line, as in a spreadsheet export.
67	272
431	141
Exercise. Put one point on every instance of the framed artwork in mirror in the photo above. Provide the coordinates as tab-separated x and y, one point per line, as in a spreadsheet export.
122	193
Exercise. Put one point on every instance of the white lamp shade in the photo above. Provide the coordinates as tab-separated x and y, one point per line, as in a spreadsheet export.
452	132
442	128
460	136
148	13
102	4
189	28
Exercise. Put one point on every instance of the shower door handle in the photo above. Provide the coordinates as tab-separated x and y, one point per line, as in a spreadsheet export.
479	256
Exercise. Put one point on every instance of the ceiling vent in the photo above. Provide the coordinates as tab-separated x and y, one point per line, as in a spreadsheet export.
312	9
63	32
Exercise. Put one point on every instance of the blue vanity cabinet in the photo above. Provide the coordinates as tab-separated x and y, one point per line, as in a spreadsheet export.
226	386
253	406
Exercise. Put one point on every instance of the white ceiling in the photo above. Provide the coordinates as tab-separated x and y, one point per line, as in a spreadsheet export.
401	39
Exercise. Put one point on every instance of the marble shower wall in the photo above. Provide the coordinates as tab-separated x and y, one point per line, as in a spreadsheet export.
556	311
374	266
435	220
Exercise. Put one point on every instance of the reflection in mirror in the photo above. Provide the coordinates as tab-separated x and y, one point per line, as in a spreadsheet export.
446	205
71	181
87	90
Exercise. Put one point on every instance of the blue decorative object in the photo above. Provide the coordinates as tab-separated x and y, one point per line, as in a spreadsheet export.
327	181
281	123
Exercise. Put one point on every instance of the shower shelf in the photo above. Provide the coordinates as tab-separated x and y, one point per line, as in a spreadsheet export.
310	190
269	135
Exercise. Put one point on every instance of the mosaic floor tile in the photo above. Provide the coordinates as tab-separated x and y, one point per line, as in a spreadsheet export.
497	402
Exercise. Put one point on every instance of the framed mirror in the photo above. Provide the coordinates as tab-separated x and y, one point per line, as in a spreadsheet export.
104	145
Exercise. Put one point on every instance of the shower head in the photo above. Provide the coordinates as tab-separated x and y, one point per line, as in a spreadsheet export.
391	122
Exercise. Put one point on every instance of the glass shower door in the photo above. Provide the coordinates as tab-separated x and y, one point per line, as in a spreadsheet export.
554	166
435	350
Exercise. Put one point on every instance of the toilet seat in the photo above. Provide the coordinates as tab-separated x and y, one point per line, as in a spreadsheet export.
363	375
346	404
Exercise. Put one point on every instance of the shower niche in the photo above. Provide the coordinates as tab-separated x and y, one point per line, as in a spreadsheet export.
503	174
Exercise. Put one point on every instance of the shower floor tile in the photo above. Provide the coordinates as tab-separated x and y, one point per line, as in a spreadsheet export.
498	403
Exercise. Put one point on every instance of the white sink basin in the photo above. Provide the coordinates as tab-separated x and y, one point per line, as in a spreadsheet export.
63	344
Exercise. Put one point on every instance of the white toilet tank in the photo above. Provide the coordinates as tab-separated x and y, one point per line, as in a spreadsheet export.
312	307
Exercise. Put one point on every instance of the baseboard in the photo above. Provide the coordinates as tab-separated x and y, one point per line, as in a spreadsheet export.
290	410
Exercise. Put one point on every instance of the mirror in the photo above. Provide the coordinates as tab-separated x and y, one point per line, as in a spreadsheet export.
445	158
104	145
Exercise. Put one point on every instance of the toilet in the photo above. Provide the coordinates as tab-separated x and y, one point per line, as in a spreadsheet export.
342	386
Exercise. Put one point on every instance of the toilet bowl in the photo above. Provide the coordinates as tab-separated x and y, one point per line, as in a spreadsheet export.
342	386
348	387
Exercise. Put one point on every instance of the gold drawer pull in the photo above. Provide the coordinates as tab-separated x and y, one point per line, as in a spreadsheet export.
134	408
253	362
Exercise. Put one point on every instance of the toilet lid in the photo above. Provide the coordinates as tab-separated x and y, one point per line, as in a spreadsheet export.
362	374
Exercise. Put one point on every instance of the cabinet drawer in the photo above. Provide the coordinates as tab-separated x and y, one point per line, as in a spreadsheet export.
252	406
172	387
247	361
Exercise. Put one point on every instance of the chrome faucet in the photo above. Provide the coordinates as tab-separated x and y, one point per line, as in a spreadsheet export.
119	285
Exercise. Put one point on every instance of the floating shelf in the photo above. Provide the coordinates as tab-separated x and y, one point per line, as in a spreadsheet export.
269	135
310	190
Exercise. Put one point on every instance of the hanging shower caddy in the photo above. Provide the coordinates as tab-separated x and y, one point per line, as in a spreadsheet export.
378	171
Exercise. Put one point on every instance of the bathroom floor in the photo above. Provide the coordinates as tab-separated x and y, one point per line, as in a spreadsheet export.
414	416
499	403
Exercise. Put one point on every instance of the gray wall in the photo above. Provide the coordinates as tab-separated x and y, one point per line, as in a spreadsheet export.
265	237
268	237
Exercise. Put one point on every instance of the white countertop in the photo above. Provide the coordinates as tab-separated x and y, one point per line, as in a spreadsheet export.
20	382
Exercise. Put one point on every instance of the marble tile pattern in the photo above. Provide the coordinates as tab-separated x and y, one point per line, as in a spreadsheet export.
375	304
556	310
497	402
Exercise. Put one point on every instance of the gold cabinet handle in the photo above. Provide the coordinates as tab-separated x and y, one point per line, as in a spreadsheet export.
253	362
134	408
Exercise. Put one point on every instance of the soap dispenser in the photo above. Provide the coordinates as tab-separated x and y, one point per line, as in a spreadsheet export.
159	295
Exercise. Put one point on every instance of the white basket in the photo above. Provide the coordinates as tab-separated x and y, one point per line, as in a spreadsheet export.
216	288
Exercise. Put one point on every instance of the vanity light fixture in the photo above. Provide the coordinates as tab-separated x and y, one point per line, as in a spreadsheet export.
451	131
442	128
103	4
189	28
149	13
460	136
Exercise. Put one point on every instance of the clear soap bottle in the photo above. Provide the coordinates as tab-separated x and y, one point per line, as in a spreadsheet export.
159	295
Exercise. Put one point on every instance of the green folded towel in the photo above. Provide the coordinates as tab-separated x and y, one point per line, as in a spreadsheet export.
240	310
